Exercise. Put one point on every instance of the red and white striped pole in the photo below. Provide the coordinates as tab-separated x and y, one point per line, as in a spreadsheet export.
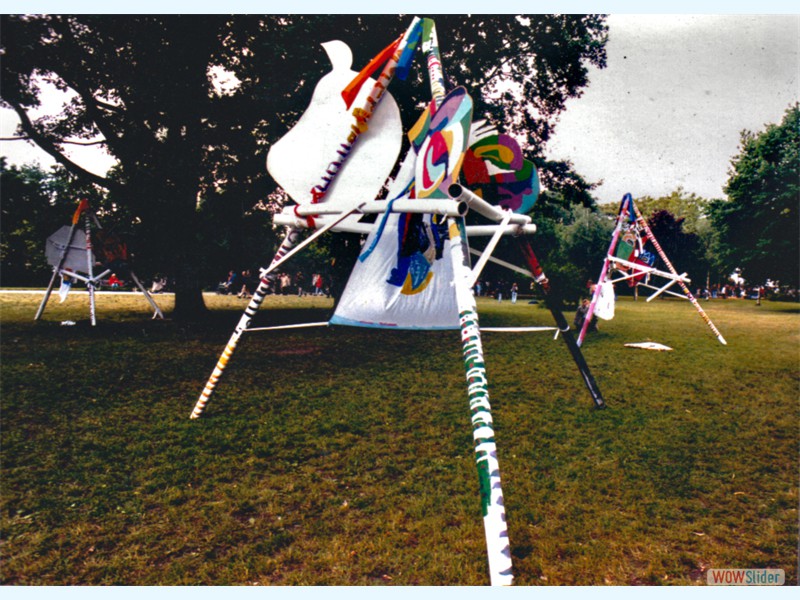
672	270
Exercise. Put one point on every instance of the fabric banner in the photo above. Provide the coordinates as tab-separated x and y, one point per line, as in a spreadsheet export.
405	281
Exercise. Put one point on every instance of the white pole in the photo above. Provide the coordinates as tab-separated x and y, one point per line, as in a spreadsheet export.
646	270
429	206
149	298
487	252
503	263
668	292
90	268
663	289
481	206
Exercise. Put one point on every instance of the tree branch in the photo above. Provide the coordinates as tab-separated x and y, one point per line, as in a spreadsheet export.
97	110
48	146
95	143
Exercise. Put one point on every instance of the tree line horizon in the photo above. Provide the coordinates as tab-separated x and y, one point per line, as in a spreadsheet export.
190	189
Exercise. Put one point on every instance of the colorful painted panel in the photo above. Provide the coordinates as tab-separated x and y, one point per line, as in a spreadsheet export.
495	169
399	288
440	139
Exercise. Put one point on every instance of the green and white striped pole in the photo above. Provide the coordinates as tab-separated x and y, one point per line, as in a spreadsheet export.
498	549
492	505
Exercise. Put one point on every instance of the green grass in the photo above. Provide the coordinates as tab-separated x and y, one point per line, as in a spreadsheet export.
344	456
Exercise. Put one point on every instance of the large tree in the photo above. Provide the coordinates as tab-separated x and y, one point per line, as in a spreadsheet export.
142	85
758	227
190	154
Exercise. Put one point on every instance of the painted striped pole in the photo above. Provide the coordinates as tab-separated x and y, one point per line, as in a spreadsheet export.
82	205
250	311
289	244
363	114
492	504
627	201
498	550
430	46
672	270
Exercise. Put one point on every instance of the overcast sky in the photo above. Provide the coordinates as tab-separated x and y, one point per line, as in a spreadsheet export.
678	89
666	112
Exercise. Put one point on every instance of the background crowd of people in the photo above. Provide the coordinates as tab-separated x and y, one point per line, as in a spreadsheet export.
244	283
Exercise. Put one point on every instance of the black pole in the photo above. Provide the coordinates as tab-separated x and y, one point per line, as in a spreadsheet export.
553	302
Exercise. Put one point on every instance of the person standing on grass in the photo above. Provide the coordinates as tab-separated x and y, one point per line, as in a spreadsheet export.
286	283
514	290
247	285
229	286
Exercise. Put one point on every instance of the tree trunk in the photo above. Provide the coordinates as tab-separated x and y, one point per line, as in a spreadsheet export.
189	304
189	275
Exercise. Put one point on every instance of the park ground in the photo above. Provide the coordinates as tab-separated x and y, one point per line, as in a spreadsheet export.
344	456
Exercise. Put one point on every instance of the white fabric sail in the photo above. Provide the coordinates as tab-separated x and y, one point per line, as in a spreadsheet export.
322	141
605	301
76	254
387	290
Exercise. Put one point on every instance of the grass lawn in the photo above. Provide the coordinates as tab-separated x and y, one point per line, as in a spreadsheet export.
344	456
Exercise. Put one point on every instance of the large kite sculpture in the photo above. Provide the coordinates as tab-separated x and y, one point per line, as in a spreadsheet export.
632	255
75	257
414	271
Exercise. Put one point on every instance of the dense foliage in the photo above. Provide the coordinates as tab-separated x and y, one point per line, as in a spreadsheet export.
758	227
35	204
191	151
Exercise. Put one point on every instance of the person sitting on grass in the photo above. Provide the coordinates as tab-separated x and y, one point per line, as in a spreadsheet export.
580	316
